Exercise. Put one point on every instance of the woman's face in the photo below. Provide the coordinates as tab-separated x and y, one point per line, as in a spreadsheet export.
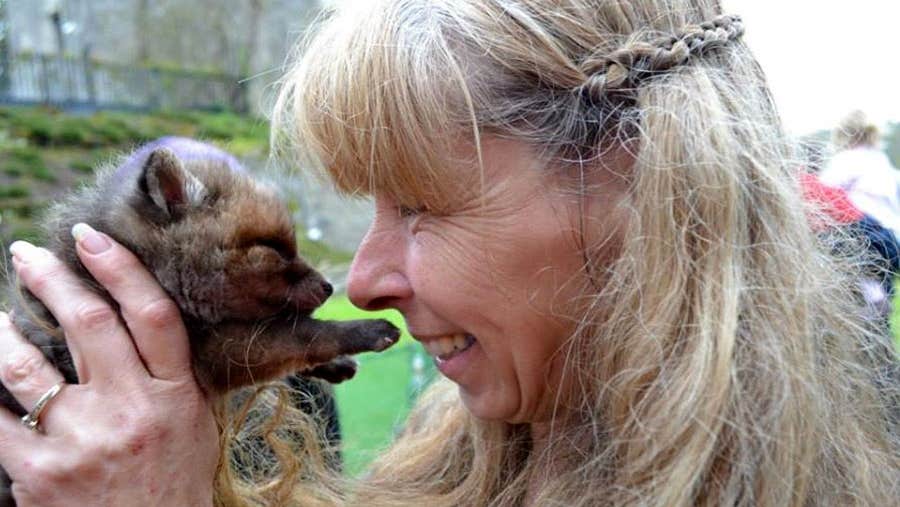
487	287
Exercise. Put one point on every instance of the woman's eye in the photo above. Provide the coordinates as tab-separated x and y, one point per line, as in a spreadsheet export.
410	211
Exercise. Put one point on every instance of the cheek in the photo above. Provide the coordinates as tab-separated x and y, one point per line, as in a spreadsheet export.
539	269
512	273
450	267
507	289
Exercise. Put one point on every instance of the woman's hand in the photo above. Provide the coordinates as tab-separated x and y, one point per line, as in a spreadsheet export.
136	430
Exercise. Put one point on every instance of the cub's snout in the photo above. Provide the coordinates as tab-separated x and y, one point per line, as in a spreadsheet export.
310	292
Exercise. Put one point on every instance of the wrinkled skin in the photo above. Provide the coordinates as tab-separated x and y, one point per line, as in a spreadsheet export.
505	265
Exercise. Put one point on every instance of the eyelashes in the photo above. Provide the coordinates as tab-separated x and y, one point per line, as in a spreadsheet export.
413	216
410	211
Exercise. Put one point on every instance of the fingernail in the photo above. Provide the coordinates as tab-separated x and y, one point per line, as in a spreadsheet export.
90	240
23	250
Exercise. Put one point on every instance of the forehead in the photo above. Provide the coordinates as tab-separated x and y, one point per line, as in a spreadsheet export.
508	173
249	209
260	214
440	181
500	177
263	216
469	174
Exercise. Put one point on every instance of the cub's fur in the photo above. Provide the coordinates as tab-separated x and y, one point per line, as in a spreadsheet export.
223	247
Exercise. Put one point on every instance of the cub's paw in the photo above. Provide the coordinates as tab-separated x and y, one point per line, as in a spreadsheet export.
357	336
382	333
335	371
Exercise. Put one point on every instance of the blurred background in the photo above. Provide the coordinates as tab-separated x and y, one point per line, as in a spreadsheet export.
84	80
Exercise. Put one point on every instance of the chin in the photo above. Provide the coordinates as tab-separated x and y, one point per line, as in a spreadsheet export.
485	407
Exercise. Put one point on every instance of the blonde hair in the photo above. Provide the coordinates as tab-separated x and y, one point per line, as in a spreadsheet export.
855	130
723	359
270	448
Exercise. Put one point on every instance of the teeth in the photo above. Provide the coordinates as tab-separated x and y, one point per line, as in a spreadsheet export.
446	344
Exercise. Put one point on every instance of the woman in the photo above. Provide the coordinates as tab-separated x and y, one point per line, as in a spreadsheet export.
588	212
873	185
861	169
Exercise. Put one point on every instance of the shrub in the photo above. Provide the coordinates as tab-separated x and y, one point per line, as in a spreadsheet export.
42	173
40	132
179	115
24	208
73	132
109	129
148	128
229	126
15	170
242	146
23	160
25	154
218	127
81	165
14	192
34	124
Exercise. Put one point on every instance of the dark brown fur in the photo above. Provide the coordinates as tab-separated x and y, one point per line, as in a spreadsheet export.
223	247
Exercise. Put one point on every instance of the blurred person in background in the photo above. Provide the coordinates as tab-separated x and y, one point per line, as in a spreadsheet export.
872	184
833	211
588	212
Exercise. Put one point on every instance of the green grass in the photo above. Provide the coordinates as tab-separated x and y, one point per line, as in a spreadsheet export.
376	401
47	127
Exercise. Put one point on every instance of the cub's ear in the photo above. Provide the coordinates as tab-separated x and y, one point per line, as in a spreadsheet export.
169	185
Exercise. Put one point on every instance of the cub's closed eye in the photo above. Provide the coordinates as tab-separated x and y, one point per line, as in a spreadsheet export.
283	249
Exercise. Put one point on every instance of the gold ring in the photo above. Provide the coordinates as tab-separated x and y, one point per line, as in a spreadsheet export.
31	420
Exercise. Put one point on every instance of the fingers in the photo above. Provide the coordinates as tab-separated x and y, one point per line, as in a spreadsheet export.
152	317
16	443
24	370
99	343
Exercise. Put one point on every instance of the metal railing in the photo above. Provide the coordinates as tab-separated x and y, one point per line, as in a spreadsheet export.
71	82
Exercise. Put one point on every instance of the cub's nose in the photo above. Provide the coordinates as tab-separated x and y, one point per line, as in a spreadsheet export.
310	293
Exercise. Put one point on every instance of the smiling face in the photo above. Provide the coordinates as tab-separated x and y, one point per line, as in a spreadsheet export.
495	277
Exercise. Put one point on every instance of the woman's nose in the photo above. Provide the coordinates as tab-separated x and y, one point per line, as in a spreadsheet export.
377	278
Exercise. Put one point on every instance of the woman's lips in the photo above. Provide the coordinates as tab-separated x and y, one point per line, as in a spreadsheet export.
452	353
446	347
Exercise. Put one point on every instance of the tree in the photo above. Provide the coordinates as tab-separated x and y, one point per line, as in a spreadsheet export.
4	50
142	20
252	38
